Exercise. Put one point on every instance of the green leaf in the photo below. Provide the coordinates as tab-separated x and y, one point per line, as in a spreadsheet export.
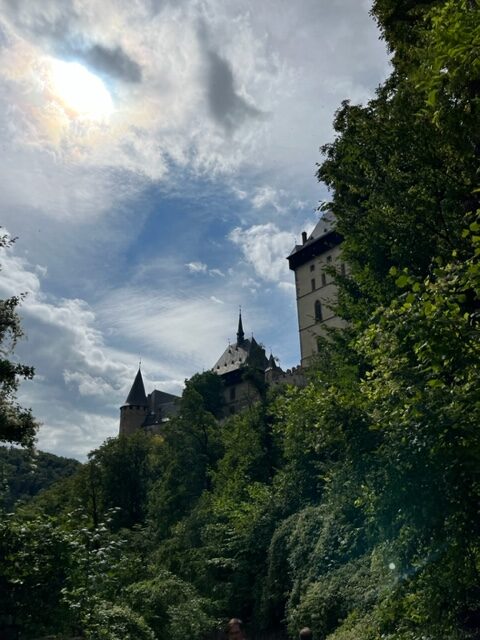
402	281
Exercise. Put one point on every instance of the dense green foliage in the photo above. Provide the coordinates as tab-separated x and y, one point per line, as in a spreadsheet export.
350	505
25	473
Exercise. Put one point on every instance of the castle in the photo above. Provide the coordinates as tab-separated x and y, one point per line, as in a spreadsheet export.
244	364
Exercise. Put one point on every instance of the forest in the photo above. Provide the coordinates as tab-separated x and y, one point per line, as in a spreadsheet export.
350	505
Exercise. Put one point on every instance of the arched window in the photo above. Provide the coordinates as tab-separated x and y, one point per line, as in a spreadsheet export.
318	311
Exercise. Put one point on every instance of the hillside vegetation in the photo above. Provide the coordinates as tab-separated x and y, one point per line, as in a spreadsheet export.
351	505
24	475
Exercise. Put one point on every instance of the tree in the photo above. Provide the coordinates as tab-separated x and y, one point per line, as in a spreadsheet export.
191	449
16	423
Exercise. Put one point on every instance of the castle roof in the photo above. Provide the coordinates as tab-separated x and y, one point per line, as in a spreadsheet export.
137	396
323	238
244	352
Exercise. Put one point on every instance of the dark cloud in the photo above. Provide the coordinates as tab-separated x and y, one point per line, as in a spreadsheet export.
59	29
228	108
114	62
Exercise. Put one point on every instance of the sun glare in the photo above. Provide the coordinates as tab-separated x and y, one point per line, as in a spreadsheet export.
81	91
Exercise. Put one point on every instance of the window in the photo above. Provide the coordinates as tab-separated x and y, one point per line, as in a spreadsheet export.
329	258
318	311
312	267
324	280
313	284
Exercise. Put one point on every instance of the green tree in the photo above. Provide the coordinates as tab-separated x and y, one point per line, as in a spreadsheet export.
119	476
191	449
16	423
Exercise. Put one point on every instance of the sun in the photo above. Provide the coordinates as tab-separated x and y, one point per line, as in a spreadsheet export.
80	90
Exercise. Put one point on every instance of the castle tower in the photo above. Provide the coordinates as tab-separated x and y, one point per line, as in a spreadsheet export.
135	409
245	355
315	288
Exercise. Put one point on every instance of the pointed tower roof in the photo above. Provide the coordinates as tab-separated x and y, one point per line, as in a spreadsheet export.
240	333
272	364
137	396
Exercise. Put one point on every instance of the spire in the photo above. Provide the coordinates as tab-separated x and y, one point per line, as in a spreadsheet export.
137	396
240	334
271	362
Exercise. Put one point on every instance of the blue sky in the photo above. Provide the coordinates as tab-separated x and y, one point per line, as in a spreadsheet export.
158	165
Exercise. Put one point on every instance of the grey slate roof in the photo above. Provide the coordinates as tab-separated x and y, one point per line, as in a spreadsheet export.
137	396
236	356
323	226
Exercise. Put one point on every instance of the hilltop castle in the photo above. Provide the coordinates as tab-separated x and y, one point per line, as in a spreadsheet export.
312	262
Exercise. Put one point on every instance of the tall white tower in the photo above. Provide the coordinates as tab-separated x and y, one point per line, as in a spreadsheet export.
315	289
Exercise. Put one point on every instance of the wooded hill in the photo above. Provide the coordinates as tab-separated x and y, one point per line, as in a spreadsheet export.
352	505
24	475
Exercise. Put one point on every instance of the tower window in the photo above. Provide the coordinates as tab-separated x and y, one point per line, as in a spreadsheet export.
324	279
329	258
318	311
312	282
312	267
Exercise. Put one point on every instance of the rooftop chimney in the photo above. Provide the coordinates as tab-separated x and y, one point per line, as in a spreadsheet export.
304	237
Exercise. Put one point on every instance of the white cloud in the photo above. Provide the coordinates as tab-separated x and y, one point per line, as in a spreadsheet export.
181	329
209	85
265	247
77	374
265	196
216	272
201	267
196	267
288	287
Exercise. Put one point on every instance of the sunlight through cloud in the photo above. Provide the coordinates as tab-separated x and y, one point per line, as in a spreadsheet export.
80	90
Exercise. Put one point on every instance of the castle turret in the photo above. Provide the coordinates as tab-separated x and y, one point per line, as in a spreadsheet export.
135	409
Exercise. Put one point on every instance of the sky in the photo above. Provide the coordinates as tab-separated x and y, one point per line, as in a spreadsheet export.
158	165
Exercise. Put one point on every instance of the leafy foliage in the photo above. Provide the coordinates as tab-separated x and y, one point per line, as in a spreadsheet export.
26	473
16	423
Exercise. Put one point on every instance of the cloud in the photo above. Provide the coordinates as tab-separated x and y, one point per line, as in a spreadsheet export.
201	267
228	108
115	62
76	373
196	267
64	29
183	330
288	287
265	247
206	94
265	196
216	272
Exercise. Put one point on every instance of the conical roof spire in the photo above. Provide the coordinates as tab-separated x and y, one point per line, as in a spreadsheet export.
240	334
271	361
137	396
